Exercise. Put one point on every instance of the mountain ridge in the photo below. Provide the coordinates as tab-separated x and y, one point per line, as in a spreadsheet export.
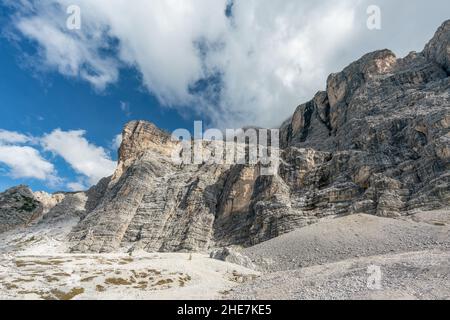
376	141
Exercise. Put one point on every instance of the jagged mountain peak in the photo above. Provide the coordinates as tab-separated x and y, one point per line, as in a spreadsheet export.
139	136
438	49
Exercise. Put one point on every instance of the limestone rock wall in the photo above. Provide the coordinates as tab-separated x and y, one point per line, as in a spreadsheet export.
375	141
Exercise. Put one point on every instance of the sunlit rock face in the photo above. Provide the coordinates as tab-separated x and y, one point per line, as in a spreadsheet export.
376	141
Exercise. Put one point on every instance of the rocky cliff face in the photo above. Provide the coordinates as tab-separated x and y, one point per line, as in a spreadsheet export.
376	141
150	202
381	133
18	207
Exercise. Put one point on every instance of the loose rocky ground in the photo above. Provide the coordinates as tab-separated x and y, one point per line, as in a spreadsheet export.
352	236
327	260
335	259
146	276
33	265
415	275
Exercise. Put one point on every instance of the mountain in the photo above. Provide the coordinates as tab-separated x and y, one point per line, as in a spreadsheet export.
377	142
19	207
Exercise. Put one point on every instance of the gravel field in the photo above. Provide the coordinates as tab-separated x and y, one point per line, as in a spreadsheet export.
351	237
34	265
336	258
144	276
418	275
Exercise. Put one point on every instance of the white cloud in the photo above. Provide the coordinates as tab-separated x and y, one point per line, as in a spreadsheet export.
273	59
269	57
85	158
26	162
74	54
12	137
22	158
76	186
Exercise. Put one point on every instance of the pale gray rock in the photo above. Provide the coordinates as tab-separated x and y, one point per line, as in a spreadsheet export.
150	202
48	201
72	205
422	275
232	256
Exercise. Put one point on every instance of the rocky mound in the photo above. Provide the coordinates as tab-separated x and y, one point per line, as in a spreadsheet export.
21	207
18	208
348	237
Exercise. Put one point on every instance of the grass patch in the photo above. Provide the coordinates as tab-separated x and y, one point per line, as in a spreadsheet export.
118	281
164	282
61	274
126	261
88	279
141	285
61	295
22	263
29	205
41	294
183	280
10	286
22	280
154	272
52	279
141	275
240	278
100	288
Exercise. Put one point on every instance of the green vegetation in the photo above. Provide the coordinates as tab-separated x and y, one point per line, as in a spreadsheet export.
60	295
29	205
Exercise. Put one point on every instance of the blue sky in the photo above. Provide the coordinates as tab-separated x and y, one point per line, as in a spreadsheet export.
36	103
65	95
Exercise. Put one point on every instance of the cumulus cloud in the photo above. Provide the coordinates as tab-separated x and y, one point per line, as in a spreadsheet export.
12	137
76	186
273	59
238	62
89	160
23	157
26	162
75	55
